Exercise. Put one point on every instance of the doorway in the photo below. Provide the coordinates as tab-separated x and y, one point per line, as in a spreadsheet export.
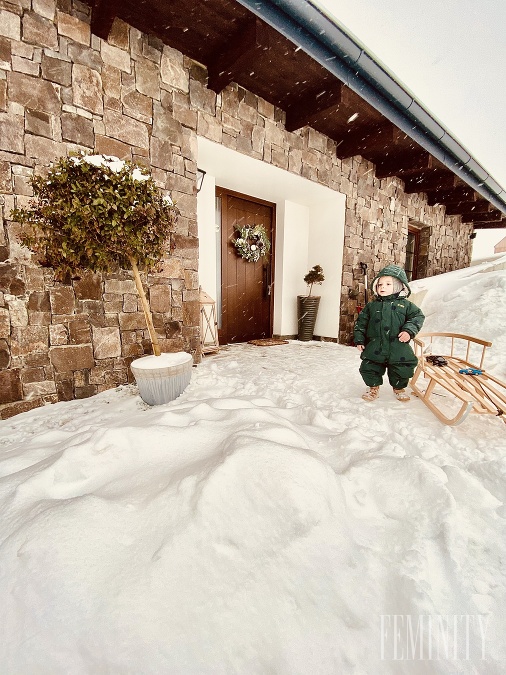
412	253
246	287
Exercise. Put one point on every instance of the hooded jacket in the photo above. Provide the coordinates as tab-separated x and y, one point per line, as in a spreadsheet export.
380	322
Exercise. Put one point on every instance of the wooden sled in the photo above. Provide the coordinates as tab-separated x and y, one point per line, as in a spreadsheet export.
482	394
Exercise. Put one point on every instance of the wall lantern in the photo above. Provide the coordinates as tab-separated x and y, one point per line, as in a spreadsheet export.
208	324
200	179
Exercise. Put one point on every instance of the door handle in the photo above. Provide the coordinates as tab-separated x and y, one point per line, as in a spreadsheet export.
267	285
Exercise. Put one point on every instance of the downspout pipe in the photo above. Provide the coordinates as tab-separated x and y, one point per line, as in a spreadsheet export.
332	47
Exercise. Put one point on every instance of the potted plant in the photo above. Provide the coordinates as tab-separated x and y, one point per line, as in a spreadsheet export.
307	305
101	213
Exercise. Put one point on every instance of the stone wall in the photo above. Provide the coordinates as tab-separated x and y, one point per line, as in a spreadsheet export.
378	213
63	89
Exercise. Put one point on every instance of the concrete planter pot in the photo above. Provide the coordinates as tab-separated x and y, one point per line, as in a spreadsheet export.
307	310
163	378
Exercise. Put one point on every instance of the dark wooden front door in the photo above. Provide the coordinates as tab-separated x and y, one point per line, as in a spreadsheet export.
246	298
412	253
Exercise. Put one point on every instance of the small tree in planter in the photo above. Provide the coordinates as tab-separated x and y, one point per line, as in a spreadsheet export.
307	305
314	276
99	213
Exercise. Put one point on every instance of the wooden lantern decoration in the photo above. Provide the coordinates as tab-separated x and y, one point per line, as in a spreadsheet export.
208	324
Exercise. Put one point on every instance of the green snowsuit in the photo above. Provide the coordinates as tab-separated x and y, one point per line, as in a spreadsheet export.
378	326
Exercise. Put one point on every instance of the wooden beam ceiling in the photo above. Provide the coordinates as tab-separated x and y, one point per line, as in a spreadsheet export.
366	140
404	163
307	109
461	208
429	181
103	13
238	55
491	216
236	46
454	196
491	225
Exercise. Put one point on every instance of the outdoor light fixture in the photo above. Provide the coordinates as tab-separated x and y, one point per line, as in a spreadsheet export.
200	178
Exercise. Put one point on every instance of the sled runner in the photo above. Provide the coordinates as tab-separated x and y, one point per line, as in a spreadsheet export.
468	383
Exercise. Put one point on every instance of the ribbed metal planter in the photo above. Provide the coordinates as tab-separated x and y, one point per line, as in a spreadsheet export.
163	378
307	309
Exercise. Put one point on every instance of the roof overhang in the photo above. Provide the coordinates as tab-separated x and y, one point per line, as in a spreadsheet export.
292	55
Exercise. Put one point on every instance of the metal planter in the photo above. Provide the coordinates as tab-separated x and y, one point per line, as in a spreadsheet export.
307	310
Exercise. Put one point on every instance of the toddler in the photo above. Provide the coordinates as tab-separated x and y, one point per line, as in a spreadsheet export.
383	331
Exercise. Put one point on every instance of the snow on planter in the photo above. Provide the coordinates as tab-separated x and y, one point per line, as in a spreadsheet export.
163	378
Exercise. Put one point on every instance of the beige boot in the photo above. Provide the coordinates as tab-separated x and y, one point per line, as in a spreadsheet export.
371	394
402	395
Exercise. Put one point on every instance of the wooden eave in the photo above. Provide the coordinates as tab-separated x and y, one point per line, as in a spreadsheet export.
236	46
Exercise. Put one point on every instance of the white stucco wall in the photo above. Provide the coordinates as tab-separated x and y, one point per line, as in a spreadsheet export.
326	249
309	231
292	244
208	237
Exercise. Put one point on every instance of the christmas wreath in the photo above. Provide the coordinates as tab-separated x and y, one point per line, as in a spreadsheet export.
252	242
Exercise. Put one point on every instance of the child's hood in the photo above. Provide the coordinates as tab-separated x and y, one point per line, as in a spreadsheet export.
397	273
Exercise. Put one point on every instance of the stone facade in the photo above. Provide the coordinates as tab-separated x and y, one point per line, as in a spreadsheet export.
63	89
378	213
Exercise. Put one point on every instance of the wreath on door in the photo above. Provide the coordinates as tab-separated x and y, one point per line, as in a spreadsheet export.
252	242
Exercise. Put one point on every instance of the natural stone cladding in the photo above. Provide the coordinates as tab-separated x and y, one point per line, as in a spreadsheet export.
63	89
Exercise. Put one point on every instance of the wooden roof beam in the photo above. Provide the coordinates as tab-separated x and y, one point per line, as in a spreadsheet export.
366	140
304	111
428	182
491	216
404	163
490	226
462	193
103	13
238	56
461	208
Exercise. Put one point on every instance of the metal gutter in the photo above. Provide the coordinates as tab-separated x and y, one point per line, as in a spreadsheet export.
342	54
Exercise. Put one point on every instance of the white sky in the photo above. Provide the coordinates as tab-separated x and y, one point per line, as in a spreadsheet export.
451	54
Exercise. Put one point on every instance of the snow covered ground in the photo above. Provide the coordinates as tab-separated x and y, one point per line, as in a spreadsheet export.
268	521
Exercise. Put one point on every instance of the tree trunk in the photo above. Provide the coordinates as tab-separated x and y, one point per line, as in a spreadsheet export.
145	306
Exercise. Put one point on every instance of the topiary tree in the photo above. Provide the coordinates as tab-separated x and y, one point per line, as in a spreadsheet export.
314	276
99	213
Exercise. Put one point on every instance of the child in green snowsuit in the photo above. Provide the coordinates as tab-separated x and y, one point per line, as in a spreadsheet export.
383	331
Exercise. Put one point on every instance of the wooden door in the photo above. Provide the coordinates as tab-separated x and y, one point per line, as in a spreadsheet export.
412	253
246	297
